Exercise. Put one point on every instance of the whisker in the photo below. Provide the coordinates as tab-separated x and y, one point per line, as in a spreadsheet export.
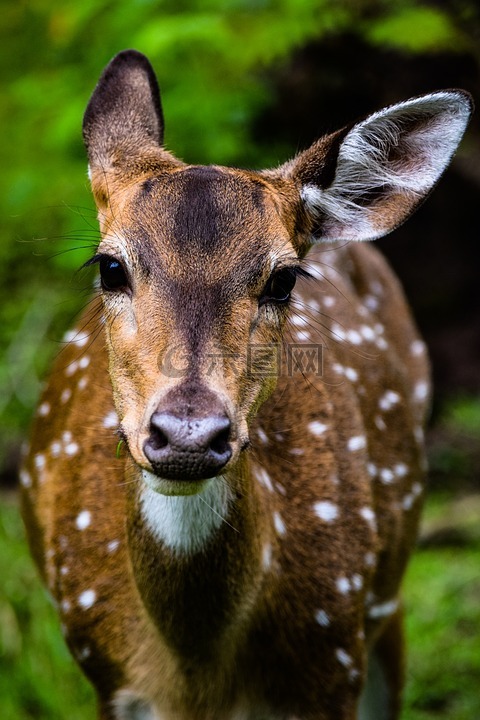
218	514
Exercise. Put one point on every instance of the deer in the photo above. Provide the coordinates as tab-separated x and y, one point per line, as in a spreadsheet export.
226	468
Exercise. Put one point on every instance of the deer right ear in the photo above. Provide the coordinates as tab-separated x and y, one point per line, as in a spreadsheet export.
363	181
123	124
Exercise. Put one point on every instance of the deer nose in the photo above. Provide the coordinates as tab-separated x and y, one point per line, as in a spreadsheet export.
190	449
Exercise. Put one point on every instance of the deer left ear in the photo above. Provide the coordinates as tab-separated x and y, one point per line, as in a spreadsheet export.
362	182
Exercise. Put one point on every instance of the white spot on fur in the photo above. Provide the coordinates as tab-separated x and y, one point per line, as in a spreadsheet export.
317	428
367	332
55	448
184	523
419	434
420	392
372	469
388	400
343	657
357	443
380	422
322	618
43	409
351	374
387	476
71	449
370	559
25	479
279	524
369	516
87	598
303	336
357	581
69	336
383	609
128	705
267	556
343	585
110	420
264	479
338	332
353	674
376	287
113	545
325	510
82	383
81	339
354	337
83	519
84	362
328	301
400	470
409	499
297	451
262	436
299	320
83	653
39	462
72	368
417	489
371	302
417	348
66	395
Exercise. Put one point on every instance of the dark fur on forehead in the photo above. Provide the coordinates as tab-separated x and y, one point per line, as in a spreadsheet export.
213	207
207	206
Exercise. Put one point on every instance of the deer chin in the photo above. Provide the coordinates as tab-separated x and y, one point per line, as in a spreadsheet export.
173	488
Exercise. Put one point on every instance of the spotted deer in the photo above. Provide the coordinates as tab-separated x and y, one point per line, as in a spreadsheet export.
238	555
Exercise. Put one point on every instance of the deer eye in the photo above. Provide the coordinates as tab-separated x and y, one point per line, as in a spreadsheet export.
279	287
112	273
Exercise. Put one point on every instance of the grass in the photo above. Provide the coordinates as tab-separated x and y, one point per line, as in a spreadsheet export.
39	680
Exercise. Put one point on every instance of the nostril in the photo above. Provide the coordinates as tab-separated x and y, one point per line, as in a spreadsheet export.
157	439
220	443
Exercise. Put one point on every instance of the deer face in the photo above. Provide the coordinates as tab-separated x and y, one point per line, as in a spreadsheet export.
196	265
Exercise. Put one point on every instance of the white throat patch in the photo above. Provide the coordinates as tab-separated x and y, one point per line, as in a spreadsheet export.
185	523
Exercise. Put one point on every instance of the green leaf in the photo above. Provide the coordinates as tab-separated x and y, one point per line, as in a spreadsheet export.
416	29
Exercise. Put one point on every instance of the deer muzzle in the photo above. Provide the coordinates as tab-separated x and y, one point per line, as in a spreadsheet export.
188	448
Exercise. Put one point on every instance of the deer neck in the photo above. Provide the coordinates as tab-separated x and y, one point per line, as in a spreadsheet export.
197	561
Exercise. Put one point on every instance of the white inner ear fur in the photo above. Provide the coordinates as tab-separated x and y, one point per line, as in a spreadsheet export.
424	132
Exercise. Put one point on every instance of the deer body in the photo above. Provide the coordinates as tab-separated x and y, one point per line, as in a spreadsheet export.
241	558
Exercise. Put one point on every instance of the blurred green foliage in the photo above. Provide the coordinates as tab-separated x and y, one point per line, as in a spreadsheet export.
211	57
38	677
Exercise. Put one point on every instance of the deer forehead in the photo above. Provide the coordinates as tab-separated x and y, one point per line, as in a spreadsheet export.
203	226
